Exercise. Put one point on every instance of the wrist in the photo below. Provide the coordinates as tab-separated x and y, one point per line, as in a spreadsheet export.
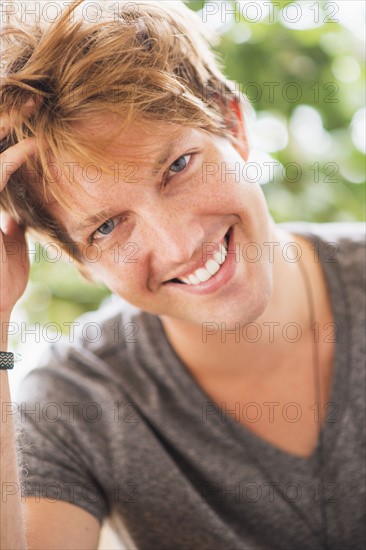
4	328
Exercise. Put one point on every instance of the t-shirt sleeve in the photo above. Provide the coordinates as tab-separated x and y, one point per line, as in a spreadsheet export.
61	443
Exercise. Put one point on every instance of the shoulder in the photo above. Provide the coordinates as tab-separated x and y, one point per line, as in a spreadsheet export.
329	232
340	249
339	246
88	361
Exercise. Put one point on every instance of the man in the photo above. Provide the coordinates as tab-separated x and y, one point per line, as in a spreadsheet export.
196	418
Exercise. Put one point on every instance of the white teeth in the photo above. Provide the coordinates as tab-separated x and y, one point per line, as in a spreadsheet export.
202	274
211	267
220	255
193	280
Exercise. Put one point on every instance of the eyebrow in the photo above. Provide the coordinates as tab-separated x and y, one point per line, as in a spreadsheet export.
166	155
93	219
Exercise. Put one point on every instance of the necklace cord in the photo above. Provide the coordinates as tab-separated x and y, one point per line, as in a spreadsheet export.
321	461
318	400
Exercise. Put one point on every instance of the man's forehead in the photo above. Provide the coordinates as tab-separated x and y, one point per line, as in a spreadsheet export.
135	139
139	148
142	151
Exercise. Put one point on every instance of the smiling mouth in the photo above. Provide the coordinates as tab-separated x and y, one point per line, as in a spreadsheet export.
210	268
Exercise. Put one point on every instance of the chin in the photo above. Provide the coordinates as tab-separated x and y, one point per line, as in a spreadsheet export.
247	308
226	316
248	313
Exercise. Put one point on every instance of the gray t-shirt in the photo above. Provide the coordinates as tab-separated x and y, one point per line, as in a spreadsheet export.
114	422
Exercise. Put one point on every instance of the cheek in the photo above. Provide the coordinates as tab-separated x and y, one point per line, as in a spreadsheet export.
123	270
109	268
225	180
257	289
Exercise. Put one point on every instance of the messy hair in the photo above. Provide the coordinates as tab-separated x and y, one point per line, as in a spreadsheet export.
151	61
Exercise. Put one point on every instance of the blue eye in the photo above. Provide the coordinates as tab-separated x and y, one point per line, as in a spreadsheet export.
106	228
180	164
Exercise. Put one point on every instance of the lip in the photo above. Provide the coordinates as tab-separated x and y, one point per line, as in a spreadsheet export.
220	278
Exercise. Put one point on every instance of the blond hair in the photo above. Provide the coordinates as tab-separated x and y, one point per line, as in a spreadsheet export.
151	61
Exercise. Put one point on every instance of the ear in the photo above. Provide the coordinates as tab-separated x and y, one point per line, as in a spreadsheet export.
236	125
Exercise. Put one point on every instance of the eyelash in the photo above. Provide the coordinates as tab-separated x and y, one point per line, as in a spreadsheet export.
166	179
92	238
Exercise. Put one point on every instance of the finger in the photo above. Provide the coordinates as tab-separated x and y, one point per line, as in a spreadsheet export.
10	227
8	120
4	221
7	223
13	158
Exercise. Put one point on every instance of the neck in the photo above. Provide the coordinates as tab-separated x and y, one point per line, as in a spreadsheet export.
254	348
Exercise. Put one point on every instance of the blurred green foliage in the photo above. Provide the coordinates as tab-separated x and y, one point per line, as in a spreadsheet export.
283	68
273	63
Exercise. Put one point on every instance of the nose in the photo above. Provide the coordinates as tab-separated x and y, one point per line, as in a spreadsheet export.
174	239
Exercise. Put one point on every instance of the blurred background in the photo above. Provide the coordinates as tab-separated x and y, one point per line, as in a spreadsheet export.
301	65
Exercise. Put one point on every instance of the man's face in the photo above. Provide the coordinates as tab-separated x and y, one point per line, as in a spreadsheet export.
178	193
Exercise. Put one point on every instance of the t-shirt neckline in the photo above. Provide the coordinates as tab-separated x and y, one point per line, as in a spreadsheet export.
243	436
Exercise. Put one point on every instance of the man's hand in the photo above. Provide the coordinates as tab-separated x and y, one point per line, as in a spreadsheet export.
14	262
